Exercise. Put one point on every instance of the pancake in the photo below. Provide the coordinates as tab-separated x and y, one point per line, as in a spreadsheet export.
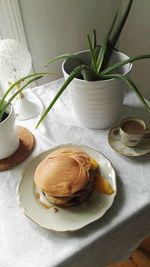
65	177
74	199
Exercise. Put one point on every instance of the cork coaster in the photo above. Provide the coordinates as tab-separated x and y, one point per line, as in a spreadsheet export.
25	148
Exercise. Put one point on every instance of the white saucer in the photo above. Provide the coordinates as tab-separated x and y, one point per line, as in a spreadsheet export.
115	142
70	218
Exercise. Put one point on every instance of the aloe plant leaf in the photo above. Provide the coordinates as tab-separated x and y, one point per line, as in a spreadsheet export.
22	80
132	87
97	50
63	87
88	74
94	39
117	33
20	90
5	105
92	54
120	26
104	45
119	64
65	56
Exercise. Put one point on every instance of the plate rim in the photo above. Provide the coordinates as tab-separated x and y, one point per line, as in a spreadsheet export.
50	149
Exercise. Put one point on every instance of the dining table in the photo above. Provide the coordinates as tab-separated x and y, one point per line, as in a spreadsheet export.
111	238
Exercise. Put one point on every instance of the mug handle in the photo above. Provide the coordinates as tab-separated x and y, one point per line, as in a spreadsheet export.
147	134
116	133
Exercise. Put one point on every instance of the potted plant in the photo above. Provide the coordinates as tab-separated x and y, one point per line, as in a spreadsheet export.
9	141
96	78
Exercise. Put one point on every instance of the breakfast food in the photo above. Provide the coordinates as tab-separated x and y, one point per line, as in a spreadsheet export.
66	176
103	186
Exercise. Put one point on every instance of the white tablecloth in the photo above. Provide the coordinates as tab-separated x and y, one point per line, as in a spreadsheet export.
110	239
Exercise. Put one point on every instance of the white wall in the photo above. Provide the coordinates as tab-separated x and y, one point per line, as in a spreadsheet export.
135	40
55	27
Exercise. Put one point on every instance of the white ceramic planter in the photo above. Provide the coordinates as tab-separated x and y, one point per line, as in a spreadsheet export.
97	103
9	140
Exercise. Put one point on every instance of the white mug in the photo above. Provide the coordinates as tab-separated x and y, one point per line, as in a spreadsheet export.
132	131
9	140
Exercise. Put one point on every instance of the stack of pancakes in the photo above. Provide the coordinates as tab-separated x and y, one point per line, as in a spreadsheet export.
65	177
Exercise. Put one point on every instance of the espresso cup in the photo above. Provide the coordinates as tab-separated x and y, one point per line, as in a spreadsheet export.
132	131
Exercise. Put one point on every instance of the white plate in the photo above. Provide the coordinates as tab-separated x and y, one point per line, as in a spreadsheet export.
115	142
68	218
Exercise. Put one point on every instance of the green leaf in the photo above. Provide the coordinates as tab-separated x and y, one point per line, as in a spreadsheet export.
92	53
19	81
104	46
96	51
88	74
131	85
94	39
19	90
5	104
63	87
65	56
119	64
116	34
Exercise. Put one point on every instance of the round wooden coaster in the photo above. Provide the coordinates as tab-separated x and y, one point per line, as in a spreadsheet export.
25	148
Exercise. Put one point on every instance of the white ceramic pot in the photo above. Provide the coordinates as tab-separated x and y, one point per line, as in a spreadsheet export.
97	104
9	140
